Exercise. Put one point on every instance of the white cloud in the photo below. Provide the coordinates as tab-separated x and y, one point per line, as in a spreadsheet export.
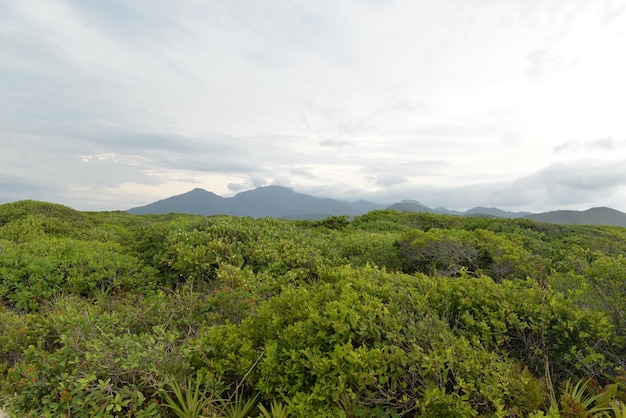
453	103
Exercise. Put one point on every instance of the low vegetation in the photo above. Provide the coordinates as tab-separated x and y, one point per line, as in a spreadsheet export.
109	314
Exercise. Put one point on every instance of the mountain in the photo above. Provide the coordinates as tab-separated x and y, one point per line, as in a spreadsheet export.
274	201
283	202
364	206
415	206
593	216
195	202
444	211
495	212
409	206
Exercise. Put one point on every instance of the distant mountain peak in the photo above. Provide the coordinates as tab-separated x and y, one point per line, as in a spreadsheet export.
604	209
409	205
199	191
273	200
283	202
270	188
499	213
593	216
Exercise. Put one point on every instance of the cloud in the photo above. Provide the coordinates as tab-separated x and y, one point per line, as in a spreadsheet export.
129	19
333	143
613	10
107	104
601	144
20	188
130	140
587	175
249	183
236	187
573	185
577	184
390	180
543	63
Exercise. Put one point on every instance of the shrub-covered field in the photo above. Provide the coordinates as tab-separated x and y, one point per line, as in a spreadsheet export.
107	314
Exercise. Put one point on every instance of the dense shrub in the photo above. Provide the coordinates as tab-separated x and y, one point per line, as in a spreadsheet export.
407	344
388	314
35	271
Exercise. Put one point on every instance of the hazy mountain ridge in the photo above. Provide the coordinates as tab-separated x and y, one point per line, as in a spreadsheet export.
409	206
283	202
593	216
274	201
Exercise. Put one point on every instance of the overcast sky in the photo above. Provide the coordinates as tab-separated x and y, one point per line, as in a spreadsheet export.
519	104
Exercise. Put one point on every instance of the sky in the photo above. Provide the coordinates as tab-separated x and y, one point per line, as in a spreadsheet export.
517	104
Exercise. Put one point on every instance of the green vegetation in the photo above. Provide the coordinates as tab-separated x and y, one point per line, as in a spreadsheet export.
108	314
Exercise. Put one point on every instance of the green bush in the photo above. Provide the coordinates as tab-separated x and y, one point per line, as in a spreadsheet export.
106	314
33	272
373	337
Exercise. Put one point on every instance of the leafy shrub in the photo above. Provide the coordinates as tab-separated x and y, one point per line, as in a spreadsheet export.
368	336
450	252
103	314
85	362
360	248
270	246
35	271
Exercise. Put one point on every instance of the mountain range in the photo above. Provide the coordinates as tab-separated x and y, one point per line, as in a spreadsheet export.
283	202
274	201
